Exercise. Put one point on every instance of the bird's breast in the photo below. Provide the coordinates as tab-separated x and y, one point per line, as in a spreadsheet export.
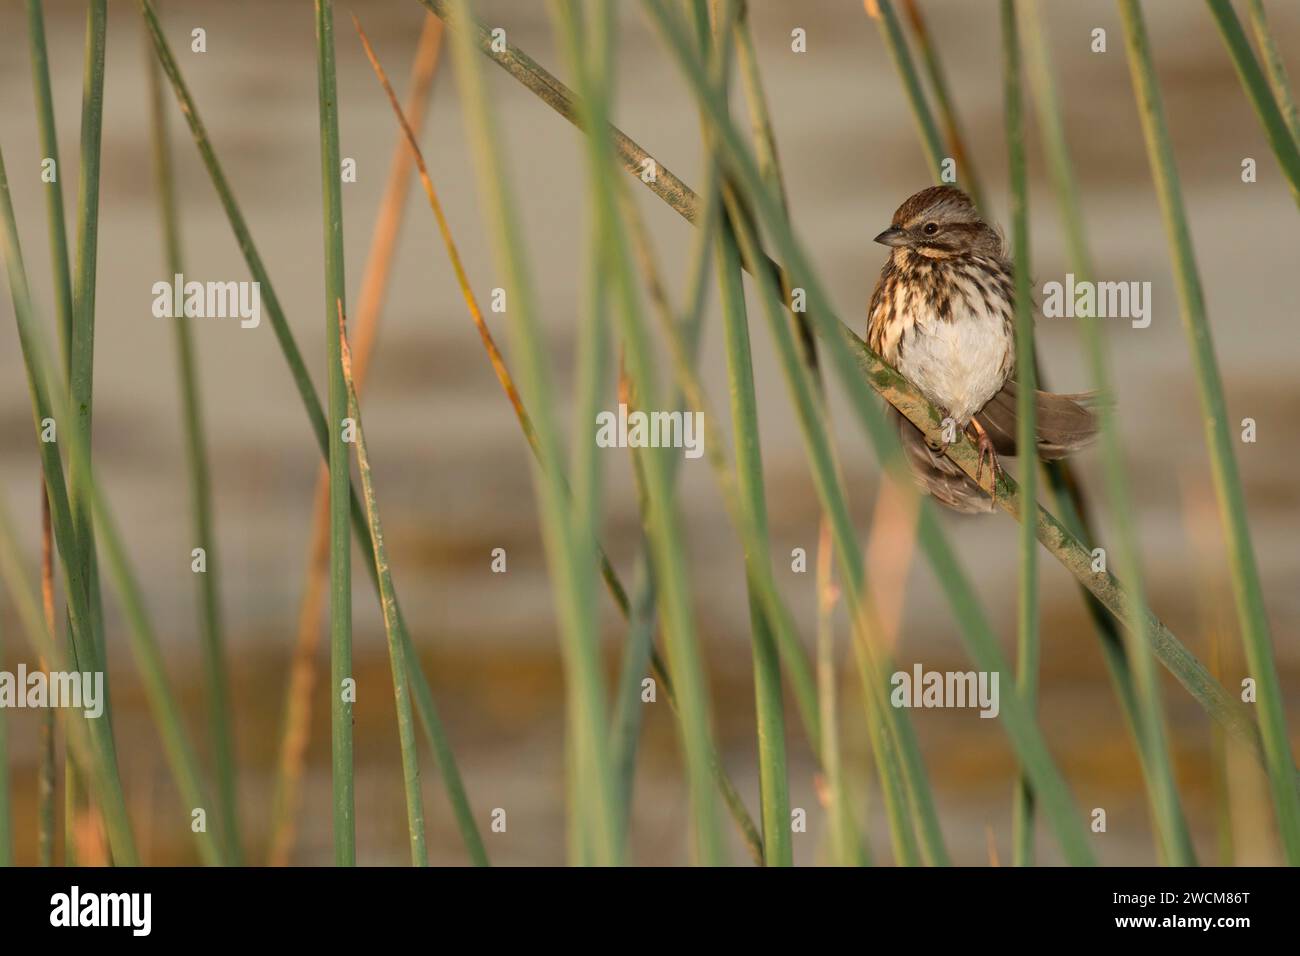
954	343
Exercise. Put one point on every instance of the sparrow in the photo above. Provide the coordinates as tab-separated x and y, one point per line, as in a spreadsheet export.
943	316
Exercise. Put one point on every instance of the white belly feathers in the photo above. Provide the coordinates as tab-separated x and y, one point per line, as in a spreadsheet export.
958	364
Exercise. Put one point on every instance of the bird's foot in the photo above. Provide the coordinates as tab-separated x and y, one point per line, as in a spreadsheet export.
984	445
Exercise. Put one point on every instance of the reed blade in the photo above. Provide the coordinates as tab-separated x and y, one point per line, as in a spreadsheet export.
1141	707
393	624
1027	636
1247	591
341	700
212	641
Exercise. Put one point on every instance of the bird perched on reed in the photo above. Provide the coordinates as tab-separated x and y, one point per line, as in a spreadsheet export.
942	315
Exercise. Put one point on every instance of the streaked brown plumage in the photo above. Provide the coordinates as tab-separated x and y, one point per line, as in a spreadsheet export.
942	314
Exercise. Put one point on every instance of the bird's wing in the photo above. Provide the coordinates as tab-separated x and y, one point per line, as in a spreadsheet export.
874	320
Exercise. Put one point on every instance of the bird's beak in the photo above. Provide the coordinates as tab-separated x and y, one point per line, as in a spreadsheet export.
893	236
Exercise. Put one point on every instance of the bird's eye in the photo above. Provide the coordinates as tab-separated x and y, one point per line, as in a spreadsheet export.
931	228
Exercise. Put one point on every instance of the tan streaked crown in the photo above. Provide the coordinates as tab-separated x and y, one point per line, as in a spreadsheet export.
936	202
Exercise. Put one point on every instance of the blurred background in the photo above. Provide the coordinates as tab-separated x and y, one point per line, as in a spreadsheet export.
452	470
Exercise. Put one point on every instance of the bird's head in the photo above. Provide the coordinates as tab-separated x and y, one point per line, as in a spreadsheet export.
940	222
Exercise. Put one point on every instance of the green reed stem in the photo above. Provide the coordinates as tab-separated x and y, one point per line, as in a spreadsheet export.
902	774
1114	651
778	616
901	769
393	624
424	700
943	102
82	368
1027	642
564	551
62	275
1275	65
899	785
80	358
664	525
591	362
765	148
54	191
49	399
1142	708
143	642
216	676
666	184
773	774
444	757
640	614
86	748
1227	482
79	367
345	829
759	572
684	339
1224	850
149	661
588	47
110	788
1280	137
639	652
891	32
626	721
760	116
238	225
774	788
295	725
669	187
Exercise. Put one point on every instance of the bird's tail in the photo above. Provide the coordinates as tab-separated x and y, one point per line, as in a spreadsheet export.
1063	423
